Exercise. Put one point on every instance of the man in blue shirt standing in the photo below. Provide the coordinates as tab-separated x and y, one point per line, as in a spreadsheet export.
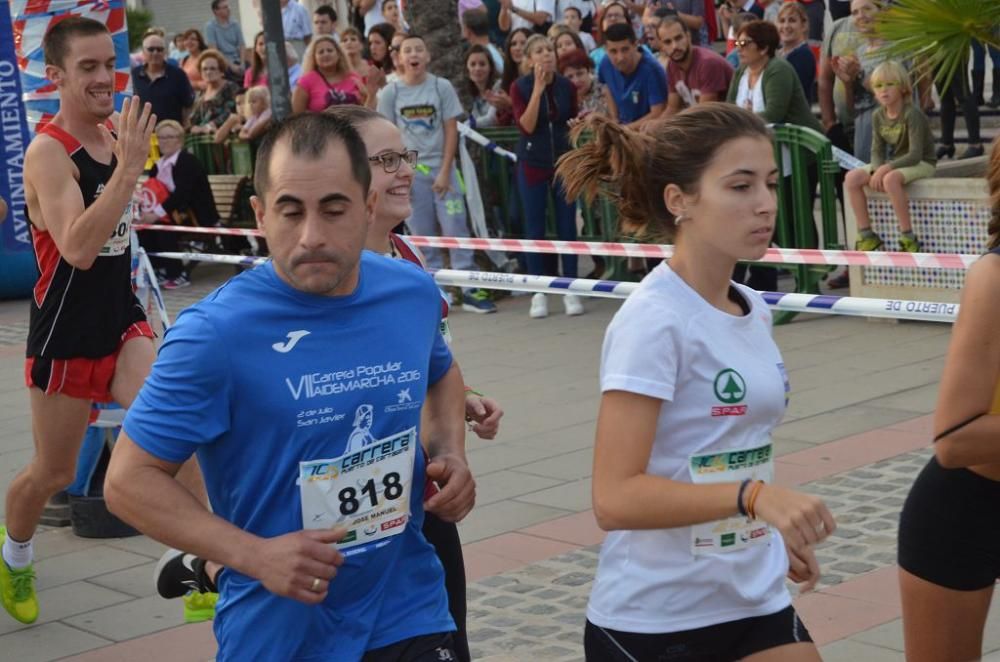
637	83
226	36
267	380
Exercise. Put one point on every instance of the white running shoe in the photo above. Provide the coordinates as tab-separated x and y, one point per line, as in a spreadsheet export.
573	305
539	306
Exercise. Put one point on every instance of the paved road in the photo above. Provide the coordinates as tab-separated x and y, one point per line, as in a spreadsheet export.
856	432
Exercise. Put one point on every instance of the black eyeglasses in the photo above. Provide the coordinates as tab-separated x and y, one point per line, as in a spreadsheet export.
155	49
391	160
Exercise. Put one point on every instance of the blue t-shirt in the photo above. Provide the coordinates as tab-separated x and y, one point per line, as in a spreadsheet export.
634	95
259	376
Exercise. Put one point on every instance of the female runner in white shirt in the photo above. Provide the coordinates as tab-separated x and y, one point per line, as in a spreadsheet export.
701	539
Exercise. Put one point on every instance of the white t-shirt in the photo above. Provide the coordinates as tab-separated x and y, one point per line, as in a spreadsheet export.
548	6
723	386
751	98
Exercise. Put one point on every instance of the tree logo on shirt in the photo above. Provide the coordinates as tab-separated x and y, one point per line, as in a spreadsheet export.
730	387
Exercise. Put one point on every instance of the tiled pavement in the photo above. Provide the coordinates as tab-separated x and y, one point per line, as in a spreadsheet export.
856	432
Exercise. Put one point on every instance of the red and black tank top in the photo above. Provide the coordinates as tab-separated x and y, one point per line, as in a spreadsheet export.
78	313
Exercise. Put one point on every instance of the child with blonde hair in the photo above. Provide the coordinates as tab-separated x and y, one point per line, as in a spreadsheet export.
902	152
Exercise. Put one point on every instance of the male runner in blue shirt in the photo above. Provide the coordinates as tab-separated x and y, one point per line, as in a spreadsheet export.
265	380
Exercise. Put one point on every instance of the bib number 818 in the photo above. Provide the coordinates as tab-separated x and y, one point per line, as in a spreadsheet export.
392	490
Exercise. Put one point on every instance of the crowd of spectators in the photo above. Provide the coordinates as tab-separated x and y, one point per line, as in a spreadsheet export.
539	66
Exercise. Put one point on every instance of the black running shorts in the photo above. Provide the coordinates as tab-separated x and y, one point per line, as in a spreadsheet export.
948	533
723	642
425	648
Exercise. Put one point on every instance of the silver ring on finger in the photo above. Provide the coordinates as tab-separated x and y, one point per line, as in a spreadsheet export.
315	585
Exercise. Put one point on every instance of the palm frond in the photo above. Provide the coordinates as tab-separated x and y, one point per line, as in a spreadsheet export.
938	33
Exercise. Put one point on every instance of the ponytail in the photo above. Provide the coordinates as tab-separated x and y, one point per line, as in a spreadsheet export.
613	161
633	168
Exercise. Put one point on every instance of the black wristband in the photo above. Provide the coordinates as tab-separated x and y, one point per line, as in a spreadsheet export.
739	498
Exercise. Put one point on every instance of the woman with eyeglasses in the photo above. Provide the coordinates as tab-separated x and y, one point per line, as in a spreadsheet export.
216	103
768	86
177	192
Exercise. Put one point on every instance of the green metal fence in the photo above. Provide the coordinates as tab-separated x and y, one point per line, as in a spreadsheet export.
800	149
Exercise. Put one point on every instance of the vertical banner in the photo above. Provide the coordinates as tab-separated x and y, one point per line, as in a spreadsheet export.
27	99
17	265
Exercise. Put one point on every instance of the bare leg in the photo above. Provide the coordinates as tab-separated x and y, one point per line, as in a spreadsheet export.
804	652
135	360
896	189
59	424
942	624
855	183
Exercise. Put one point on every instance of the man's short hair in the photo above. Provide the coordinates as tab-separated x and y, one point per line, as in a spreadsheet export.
477	21
662	12
216	3
620	32
55	44
301	133
328	11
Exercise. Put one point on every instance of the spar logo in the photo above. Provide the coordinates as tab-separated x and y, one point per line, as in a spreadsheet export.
730	389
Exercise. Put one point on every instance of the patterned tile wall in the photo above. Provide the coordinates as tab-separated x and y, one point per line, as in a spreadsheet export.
943	226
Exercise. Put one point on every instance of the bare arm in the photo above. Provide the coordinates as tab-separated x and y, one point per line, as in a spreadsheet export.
142	490
78	231
673	104
450	144
971	373
529	118
626	497
442	427
826	82
710	96
654	112
503	20
692	21
300	100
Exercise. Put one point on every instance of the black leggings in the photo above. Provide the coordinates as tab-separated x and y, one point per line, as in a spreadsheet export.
444	537
951	97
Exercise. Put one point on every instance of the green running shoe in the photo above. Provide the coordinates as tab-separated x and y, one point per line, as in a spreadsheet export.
17	589
872	242
909	244
199	607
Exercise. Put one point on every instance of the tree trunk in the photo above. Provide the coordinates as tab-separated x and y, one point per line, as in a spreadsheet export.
437	22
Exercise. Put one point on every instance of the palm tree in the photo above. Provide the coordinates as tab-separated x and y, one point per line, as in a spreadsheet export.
437	22
938	33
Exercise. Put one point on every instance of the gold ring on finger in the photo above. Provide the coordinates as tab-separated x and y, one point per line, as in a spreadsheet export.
315	585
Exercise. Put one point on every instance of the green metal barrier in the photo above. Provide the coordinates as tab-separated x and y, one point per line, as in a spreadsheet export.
800	148
232	157
497	174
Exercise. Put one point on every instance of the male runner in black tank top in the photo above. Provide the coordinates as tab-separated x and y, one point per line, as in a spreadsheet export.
88	338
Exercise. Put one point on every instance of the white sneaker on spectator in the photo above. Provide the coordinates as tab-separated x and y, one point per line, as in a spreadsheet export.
539	306
573	305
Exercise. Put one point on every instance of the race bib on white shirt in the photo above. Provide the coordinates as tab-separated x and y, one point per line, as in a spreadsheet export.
732	533
367	490
118	242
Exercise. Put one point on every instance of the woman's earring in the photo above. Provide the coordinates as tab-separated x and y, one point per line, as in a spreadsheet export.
679	218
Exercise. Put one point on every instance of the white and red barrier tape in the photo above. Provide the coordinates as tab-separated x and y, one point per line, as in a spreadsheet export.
926	311
773	255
